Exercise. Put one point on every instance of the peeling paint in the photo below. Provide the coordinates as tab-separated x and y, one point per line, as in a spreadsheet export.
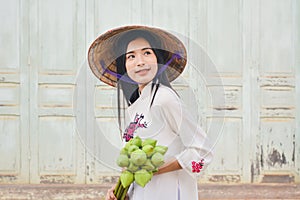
8	179
87	170
276	158
57	179
261	156
108	179
283	81
283	158
294	149
225	179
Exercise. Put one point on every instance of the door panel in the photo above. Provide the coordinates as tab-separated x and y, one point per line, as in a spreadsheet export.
277	125
57	43
224	102
14	120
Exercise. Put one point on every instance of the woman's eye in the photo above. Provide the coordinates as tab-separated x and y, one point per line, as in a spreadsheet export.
147	52
130	56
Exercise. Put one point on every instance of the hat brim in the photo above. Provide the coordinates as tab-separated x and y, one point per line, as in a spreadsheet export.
102	59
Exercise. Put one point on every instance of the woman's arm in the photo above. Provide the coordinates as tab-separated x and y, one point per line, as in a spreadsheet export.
197	146
169	167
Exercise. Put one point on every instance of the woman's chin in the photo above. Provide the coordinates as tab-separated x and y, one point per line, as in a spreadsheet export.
143	80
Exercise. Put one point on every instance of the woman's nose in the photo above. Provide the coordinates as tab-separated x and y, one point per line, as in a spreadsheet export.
140	60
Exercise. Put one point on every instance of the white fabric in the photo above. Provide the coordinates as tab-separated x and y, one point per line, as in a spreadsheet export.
170	123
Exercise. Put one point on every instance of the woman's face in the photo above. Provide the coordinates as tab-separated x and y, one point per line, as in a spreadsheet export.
141	62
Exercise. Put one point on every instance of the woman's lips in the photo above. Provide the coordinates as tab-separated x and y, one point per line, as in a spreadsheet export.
142	71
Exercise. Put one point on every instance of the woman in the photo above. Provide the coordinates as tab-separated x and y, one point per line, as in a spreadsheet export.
141	62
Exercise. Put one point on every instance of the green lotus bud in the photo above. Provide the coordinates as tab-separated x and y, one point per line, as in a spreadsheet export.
150	141
161	149
148	149
126	178
136	141
157	159
132	148
127	145
123	160
148	166
138	157
142	177
132	167
123	151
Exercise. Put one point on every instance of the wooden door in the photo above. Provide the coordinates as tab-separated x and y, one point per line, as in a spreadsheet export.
14	92
57	50
57	121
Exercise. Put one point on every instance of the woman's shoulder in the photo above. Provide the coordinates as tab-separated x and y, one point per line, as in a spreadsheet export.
166	95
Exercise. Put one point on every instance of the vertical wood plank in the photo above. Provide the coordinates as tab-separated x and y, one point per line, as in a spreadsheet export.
147	10
276	42
172	16
10	55
136	11
224	38
197	54
107	18
224	106
250	74
296	49
277	96
24	95
88	84
10	148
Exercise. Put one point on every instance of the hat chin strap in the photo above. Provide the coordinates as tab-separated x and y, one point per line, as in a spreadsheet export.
163	68
118	76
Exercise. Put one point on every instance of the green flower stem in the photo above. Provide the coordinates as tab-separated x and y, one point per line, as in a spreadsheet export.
124	193
117	188
120	192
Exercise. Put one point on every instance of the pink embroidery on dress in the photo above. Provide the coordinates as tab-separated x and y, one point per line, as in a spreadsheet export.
197	166
128	135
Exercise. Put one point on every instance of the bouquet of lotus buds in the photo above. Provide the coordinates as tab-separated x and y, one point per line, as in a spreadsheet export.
140	159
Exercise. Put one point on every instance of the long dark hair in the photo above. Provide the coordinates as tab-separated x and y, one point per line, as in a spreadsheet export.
129	88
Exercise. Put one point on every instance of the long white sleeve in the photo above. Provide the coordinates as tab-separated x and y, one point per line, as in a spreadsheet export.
194	139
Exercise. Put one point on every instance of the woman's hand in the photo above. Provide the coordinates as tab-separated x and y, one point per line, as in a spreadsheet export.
110	194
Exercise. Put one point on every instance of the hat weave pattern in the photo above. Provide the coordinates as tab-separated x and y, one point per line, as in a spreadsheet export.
102	58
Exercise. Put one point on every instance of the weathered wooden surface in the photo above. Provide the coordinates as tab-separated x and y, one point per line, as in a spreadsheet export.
57	121
93	192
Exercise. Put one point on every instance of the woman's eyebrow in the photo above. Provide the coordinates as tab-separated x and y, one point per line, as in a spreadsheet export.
129	52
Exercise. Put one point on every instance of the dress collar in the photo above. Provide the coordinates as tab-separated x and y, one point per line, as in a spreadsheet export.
146	91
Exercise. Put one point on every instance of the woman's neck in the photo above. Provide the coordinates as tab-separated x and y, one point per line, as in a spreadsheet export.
142	86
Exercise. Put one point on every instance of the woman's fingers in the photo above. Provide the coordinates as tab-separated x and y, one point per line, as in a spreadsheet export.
110	194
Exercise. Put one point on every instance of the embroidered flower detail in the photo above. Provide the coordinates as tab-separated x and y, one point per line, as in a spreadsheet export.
129	132
197	166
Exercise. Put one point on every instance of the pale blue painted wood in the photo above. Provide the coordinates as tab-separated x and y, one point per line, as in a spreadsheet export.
56	119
